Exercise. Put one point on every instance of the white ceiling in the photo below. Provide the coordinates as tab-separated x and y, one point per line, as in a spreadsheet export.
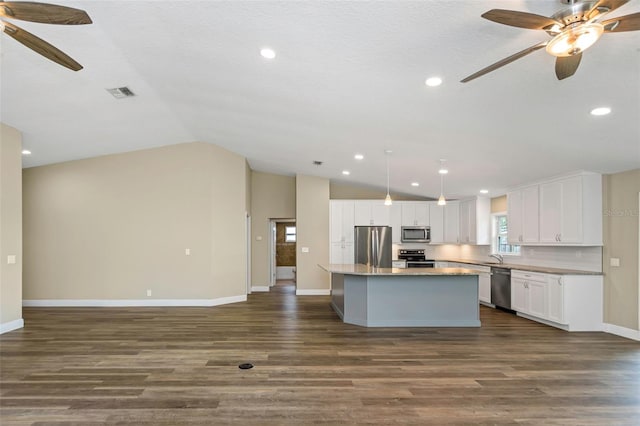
348	78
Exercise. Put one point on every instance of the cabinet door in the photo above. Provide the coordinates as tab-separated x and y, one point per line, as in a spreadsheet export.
473	223
464	222
421	213
408	214
336	252
514	216
519	295
362	213
348	254
436	222
451	222
341	221
550	212
380	214
396	223
530	215
571	211
556	299
537	298
484	288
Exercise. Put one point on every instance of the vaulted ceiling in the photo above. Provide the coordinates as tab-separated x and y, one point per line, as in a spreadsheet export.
349	77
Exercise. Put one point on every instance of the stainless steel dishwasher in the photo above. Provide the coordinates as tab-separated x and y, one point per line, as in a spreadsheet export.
501	287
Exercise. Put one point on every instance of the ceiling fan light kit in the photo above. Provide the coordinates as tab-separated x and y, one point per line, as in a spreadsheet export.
573	29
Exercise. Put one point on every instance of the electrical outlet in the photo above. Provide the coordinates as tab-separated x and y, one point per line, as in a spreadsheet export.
148	293
187	252
614	261
305	249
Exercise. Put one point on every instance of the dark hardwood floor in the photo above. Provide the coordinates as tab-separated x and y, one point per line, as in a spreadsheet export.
159	366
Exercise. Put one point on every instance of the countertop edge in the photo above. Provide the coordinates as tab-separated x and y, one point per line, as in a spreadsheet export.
528	268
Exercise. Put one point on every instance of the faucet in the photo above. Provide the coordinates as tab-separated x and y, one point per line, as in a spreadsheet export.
498	256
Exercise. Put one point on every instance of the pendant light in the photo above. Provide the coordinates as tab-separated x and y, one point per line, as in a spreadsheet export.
387	199
443	171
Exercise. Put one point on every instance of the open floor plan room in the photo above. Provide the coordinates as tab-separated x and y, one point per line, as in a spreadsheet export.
168	365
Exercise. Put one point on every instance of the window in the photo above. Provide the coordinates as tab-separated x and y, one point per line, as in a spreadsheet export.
290	234
500	241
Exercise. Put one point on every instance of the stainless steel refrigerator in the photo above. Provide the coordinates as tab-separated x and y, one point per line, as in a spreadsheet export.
373	246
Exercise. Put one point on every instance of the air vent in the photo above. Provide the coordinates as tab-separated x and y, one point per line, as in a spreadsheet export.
317	163
121	92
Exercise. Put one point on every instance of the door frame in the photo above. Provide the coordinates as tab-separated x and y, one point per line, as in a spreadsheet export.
272	248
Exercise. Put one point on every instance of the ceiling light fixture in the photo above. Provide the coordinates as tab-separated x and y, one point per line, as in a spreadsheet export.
575	40
415	184
358	156
26	152
387	199
268	53
484	191
601	111
346	172
441	200
433	81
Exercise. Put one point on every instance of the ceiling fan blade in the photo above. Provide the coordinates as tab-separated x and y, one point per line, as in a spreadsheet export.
605	6
504	61
44	13
520	19
566	66
42	47
622	23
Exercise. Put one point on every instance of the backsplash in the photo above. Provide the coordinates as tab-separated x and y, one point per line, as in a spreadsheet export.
580	258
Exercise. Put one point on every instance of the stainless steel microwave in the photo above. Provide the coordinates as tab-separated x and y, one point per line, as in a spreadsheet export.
415	234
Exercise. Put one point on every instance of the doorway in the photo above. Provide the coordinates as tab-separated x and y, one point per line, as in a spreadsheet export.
282	238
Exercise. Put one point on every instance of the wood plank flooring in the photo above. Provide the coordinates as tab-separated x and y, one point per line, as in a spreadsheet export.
179	366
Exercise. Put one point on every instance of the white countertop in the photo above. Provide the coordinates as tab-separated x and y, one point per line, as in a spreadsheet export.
351	269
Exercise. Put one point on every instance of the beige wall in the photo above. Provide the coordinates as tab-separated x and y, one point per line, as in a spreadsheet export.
499	204
272	197
112	227
10	228
339	191
620	226
312	219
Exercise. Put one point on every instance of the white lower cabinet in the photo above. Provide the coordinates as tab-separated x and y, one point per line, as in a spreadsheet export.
570	302
342	252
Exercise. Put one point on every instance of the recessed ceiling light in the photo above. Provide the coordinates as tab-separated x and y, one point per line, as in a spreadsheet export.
358	156
601	111
484	191
26	152
268	53
433	81
346	172
443	171
415	184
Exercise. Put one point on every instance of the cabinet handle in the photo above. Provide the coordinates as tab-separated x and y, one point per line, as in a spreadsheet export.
559	237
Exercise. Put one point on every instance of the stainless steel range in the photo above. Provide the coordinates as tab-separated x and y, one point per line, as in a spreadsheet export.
415	258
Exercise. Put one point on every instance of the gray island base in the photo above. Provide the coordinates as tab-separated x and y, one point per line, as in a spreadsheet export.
416	297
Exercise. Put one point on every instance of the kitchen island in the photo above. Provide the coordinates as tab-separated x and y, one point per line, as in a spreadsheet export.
397	297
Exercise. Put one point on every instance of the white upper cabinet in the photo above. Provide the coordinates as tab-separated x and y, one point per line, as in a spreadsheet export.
436	222
372	213
475	221
341	220
562	211
451	222
415	213
523	215
396	223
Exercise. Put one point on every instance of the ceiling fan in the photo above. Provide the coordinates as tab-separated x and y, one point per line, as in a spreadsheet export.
46	14
573	29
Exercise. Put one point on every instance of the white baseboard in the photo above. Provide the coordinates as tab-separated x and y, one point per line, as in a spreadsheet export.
313	292
622	331
11	325
40	303
259	288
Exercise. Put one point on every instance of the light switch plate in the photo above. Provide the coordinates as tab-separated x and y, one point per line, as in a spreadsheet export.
11	259
305	249
187	252
614	261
